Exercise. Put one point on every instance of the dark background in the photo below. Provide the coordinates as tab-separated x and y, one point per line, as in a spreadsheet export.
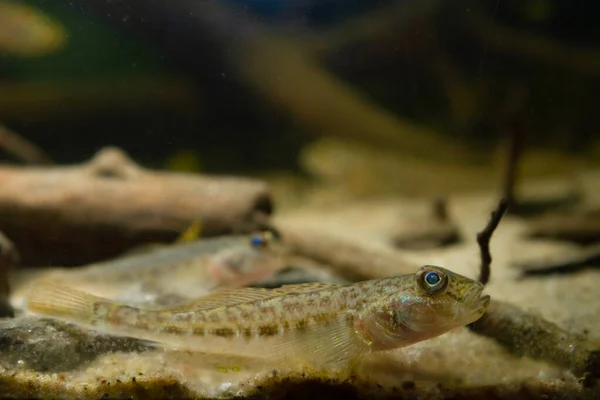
224	120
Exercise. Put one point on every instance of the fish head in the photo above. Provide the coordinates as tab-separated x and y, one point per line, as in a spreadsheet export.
252	260
433	302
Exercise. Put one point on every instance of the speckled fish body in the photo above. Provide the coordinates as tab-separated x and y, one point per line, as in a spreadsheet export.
319	324
189	269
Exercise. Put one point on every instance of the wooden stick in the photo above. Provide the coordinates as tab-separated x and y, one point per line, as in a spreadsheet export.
79	214
350	259
530	335
525	333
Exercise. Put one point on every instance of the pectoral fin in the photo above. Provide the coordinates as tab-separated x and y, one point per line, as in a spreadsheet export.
333	344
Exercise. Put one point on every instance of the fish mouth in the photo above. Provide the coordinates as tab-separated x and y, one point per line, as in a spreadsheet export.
484	302
478	308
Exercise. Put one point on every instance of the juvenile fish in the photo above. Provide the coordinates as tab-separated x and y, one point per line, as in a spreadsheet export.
192	269
319	324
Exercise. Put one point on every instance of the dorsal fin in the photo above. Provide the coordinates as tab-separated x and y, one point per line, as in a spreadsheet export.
191	234
305	287
230	297
221	298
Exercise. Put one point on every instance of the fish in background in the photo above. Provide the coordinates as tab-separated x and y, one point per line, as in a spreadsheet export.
27	32
171	274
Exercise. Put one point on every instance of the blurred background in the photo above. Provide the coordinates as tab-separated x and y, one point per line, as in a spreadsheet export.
373	97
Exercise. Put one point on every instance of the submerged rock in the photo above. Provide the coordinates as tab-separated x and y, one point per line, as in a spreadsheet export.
9	256
48	345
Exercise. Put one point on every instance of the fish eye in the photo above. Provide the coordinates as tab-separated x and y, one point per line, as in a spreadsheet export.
432	278
259	240
431	281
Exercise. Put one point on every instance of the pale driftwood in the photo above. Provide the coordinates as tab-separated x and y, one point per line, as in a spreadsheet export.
530	335
78	214
349	259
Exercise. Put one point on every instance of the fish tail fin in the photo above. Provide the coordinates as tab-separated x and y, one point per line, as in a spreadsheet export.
54	300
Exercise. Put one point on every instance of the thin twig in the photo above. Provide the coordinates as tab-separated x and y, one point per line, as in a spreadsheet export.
483	240
440	209
516	140
21	148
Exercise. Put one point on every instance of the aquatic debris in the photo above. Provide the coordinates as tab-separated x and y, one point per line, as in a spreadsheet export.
423	232
192	233
187	160
528	334
173	273
318	324
574	260
525	333
580	227
484	237
27	32
103	207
